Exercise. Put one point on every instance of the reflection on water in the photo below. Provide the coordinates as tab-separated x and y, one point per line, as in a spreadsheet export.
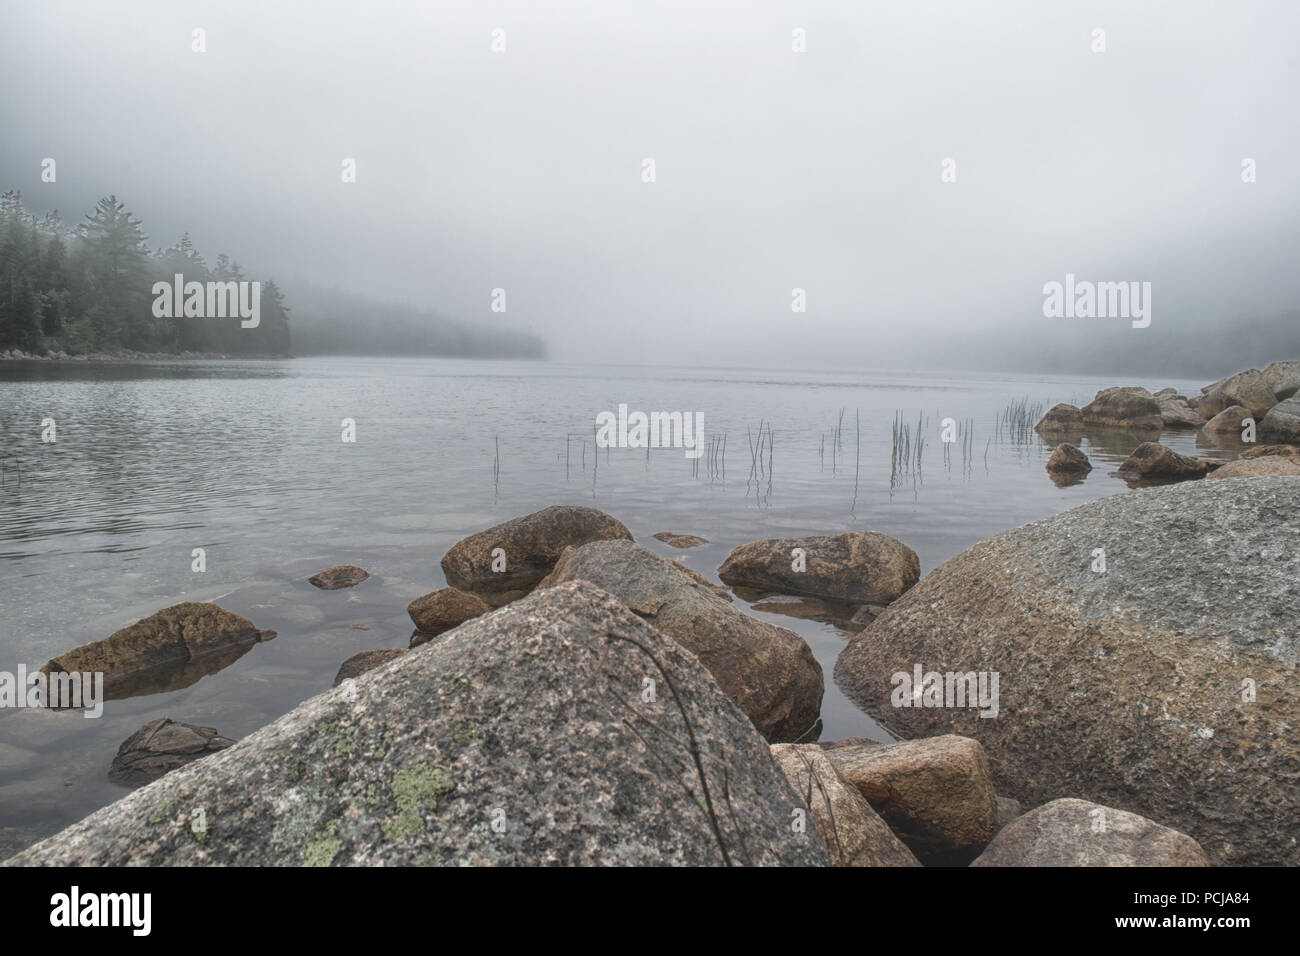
245	460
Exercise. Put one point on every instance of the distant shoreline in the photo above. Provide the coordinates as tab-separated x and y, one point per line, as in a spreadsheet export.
16	355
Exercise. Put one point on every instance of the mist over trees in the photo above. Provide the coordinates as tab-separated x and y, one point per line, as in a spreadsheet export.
88	289
333	322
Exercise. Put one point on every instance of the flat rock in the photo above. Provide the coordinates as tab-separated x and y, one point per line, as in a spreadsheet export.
161	746
339	576
1124	407
859	567
1072	832
853	831
522	738
1153	460
1258	467
530	546
444	609
675	539
184	638
1289	452
935	793
358	664
769	671
1162	686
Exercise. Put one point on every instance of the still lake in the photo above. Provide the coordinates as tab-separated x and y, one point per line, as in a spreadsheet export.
246	460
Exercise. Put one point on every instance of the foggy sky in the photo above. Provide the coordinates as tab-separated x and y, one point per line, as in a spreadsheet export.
523	170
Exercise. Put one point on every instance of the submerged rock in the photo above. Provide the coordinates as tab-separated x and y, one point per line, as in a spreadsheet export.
1066	459
161	746
1073	832
675	539
853	831
358	664
1161	685
935	793
527	548
339	576
524	737
1153	460
769	671
444	609
172	648
1125	407
858	567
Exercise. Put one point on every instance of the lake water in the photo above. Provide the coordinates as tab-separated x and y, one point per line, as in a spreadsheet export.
245	460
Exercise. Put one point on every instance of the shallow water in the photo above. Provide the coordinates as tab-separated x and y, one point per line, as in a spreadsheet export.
245	460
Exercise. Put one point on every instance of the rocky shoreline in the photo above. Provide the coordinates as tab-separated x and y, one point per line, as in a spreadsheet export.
574	698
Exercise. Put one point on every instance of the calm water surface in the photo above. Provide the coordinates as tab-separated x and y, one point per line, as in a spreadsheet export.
244	459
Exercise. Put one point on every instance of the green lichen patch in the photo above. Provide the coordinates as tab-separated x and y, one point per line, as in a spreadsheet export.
323	847
413	788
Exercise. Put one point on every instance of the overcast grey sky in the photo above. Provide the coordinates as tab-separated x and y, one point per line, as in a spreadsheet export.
775	169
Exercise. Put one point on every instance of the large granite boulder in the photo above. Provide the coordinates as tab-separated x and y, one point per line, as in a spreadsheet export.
1248	389
769	671
936	793
1282	423
854	833
1283	378
858	567
1163	685
523	737
1072	832
184	638
1229	420
1127	407
526	548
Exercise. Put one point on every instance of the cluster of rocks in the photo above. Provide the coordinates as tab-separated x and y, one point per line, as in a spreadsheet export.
572	697
1268	398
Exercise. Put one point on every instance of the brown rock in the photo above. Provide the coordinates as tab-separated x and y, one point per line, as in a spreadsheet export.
339	576
1177	412
1060	418
1258	467
854	832
184	636
161	746
675	539
1067	459
358	664
531	545
444	609
935	793
858	567
1125	407
1074	832
1153	460
1289	452
1283	378
1248	389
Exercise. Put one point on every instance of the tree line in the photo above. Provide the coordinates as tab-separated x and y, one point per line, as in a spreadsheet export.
89	288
